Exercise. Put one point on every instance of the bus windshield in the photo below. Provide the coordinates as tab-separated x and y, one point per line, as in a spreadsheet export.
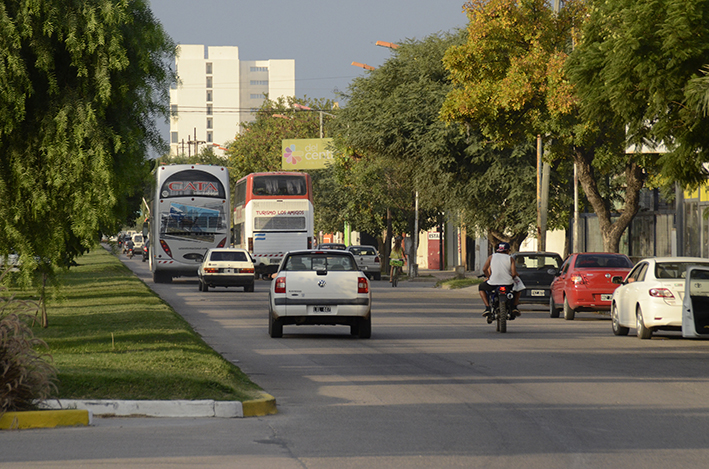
280	185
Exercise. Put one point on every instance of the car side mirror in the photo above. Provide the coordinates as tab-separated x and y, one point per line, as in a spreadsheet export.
617	279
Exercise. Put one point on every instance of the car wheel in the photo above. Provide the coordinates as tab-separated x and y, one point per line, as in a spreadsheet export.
553	310
249	288
615	322
642	331
205	287
275	327
199	284
569	313
365	328
354	328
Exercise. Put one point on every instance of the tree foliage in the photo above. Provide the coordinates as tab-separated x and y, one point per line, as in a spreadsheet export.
80	86
512	83
641	63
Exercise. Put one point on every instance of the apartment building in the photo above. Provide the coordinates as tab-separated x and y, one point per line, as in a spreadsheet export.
216	92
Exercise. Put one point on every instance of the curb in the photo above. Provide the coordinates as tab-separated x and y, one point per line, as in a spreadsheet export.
265	405
45	419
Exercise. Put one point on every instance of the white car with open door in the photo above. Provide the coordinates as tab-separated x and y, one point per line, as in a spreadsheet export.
651	296
320	287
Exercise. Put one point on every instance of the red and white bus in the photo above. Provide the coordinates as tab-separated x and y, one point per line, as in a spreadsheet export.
273	214
190	215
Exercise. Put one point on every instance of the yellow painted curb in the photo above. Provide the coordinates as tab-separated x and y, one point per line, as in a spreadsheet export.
44	419
260	407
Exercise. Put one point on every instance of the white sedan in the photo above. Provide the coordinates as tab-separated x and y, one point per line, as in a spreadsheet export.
226	267
650	297
320	287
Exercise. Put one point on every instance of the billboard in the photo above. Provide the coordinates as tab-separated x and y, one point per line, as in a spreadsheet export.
306	153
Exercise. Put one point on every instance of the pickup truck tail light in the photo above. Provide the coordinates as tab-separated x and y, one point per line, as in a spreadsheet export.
280	285
362	285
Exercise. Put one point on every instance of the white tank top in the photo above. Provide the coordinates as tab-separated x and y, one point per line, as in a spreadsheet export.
500	269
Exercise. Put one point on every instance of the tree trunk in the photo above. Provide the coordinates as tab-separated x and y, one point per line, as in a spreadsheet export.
634	179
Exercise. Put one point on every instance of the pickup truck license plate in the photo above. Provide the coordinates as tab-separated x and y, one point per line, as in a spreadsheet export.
321	309
537	292
606	297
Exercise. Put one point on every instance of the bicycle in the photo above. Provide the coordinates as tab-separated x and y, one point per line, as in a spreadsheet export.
397	264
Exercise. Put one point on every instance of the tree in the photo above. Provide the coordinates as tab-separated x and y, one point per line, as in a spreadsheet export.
392	118
641	62
80	85
512	84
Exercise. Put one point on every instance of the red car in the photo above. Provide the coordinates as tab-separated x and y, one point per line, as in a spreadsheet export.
583	283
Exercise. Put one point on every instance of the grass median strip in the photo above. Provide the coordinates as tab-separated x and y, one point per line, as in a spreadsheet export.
111	337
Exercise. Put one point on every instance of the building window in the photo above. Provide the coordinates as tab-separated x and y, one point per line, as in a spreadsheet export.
209	109
209	82
259	82
259	69
210	137
209	123
257	96
173	110
209	96
173	137
209	68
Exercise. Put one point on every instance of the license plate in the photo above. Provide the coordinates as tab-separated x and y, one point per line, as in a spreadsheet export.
537	292
606	297
321	309
228	271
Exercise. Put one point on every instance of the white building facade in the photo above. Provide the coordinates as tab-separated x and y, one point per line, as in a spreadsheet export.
216	92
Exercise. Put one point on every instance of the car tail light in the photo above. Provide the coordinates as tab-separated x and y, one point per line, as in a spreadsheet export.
661	293
577	280
362	285
211	270
376	259
280	285
165	247
221	243
246	271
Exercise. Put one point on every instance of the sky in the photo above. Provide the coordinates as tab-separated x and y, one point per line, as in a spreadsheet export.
323	36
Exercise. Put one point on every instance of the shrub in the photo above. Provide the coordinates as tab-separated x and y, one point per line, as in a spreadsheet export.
26	374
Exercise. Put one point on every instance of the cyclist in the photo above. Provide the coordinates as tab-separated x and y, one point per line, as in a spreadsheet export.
397	253
499	269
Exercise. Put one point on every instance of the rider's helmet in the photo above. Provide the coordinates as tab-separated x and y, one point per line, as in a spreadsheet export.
503	247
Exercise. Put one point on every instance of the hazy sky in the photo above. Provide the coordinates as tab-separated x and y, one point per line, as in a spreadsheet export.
323	36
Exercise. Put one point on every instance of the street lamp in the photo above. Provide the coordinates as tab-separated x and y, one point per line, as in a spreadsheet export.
364	66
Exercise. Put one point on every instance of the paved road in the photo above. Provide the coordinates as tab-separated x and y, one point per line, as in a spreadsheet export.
434	387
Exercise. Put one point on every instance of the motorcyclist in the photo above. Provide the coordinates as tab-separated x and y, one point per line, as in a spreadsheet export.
499	269
129	247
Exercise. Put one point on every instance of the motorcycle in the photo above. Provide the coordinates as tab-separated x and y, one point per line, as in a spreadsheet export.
501	305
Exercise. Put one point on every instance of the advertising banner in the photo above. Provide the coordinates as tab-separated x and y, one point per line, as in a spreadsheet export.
306	153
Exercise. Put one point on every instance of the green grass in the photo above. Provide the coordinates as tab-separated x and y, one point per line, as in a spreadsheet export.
111	337
454	283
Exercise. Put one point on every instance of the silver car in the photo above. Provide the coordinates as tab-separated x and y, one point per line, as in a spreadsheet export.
368	260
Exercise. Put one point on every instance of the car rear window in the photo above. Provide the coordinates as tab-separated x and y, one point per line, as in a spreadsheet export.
304	262
674	270
602	261
363	251
228	256
537	262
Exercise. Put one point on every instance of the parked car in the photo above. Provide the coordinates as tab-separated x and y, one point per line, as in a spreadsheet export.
650	297
332	246
536	269
584	282
226	267
320	287
368	260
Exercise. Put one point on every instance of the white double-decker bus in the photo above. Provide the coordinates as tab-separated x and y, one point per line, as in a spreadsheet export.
191	214
273	214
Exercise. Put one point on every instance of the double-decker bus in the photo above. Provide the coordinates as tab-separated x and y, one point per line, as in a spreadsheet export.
273	214
191	214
